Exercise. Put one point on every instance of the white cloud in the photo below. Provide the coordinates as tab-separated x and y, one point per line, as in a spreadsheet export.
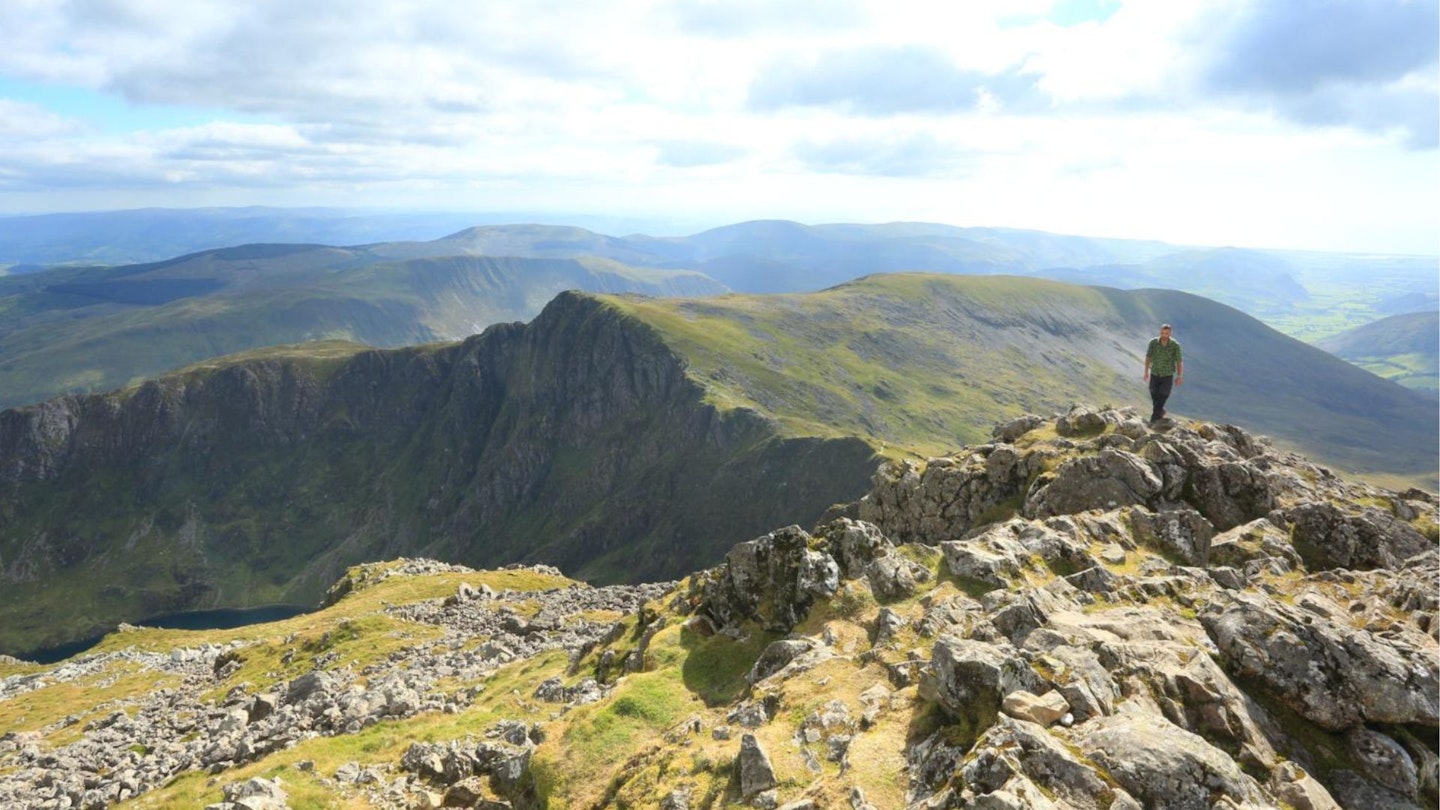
1066	115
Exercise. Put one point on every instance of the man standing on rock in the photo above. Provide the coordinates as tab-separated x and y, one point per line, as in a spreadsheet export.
1163	368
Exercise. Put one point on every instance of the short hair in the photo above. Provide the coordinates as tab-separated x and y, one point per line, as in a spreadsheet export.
1165	326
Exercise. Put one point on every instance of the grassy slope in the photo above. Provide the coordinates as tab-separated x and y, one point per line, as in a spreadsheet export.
922	362
928	362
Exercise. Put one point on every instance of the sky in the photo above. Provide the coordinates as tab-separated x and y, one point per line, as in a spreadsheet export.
1306	124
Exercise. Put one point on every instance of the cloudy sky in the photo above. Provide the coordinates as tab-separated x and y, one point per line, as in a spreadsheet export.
1273	123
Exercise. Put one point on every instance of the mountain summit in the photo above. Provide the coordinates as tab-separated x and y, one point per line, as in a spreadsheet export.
1081	612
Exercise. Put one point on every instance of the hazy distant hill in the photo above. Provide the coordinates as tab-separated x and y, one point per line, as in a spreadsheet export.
1251	280
618	437
1403	348
85	329
79	329
780	256
152	234
1306	294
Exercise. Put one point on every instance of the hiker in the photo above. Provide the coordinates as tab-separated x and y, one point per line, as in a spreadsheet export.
1163	368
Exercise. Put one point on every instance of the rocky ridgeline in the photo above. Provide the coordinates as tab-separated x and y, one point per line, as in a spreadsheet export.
1083	613
1176	619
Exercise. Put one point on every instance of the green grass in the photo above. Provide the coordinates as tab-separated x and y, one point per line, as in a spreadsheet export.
886	358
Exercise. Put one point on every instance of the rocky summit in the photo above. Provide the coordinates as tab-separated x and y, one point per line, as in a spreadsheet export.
1084	612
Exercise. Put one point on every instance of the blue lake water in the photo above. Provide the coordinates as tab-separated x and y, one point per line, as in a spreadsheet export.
222	619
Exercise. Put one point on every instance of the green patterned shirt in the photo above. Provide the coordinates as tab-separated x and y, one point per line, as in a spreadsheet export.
1163	357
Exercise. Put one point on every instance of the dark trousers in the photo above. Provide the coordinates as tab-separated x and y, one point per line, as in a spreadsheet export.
1159	392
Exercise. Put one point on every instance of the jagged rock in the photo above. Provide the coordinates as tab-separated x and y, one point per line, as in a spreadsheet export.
1256	541
1017	427
1384	761
1298	789
1107	480
1326	537
949	497
1350	789
466	793
790	655
1080	420
1229	494
1165	766
1183	533
862	550
992	558
255	794
887	624
1044	710
749	714
773	579
313	685
1017	760
1077	674
756	772
1335	676
262	707
970	678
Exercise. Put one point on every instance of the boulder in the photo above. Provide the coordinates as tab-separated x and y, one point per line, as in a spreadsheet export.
1182	534
969	679
1256	541
1044	710
255	794
1327	537
1105	480
1334	675
862	550
1229	493
774	579
1294	787
1384	761
1017	427
1014	750
1163	765
1080	420
756	773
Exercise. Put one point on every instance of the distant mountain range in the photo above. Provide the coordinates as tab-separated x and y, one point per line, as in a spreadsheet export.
86	329
618	437
91	328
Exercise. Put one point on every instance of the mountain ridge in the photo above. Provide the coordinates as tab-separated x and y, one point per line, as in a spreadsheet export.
619	437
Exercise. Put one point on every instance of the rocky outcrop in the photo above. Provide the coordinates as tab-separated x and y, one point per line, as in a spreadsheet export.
1151	619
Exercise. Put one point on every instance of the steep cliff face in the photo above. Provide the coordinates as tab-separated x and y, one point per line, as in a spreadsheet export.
577	439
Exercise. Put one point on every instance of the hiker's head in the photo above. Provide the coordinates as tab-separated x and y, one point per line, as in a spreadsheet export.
1165	330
